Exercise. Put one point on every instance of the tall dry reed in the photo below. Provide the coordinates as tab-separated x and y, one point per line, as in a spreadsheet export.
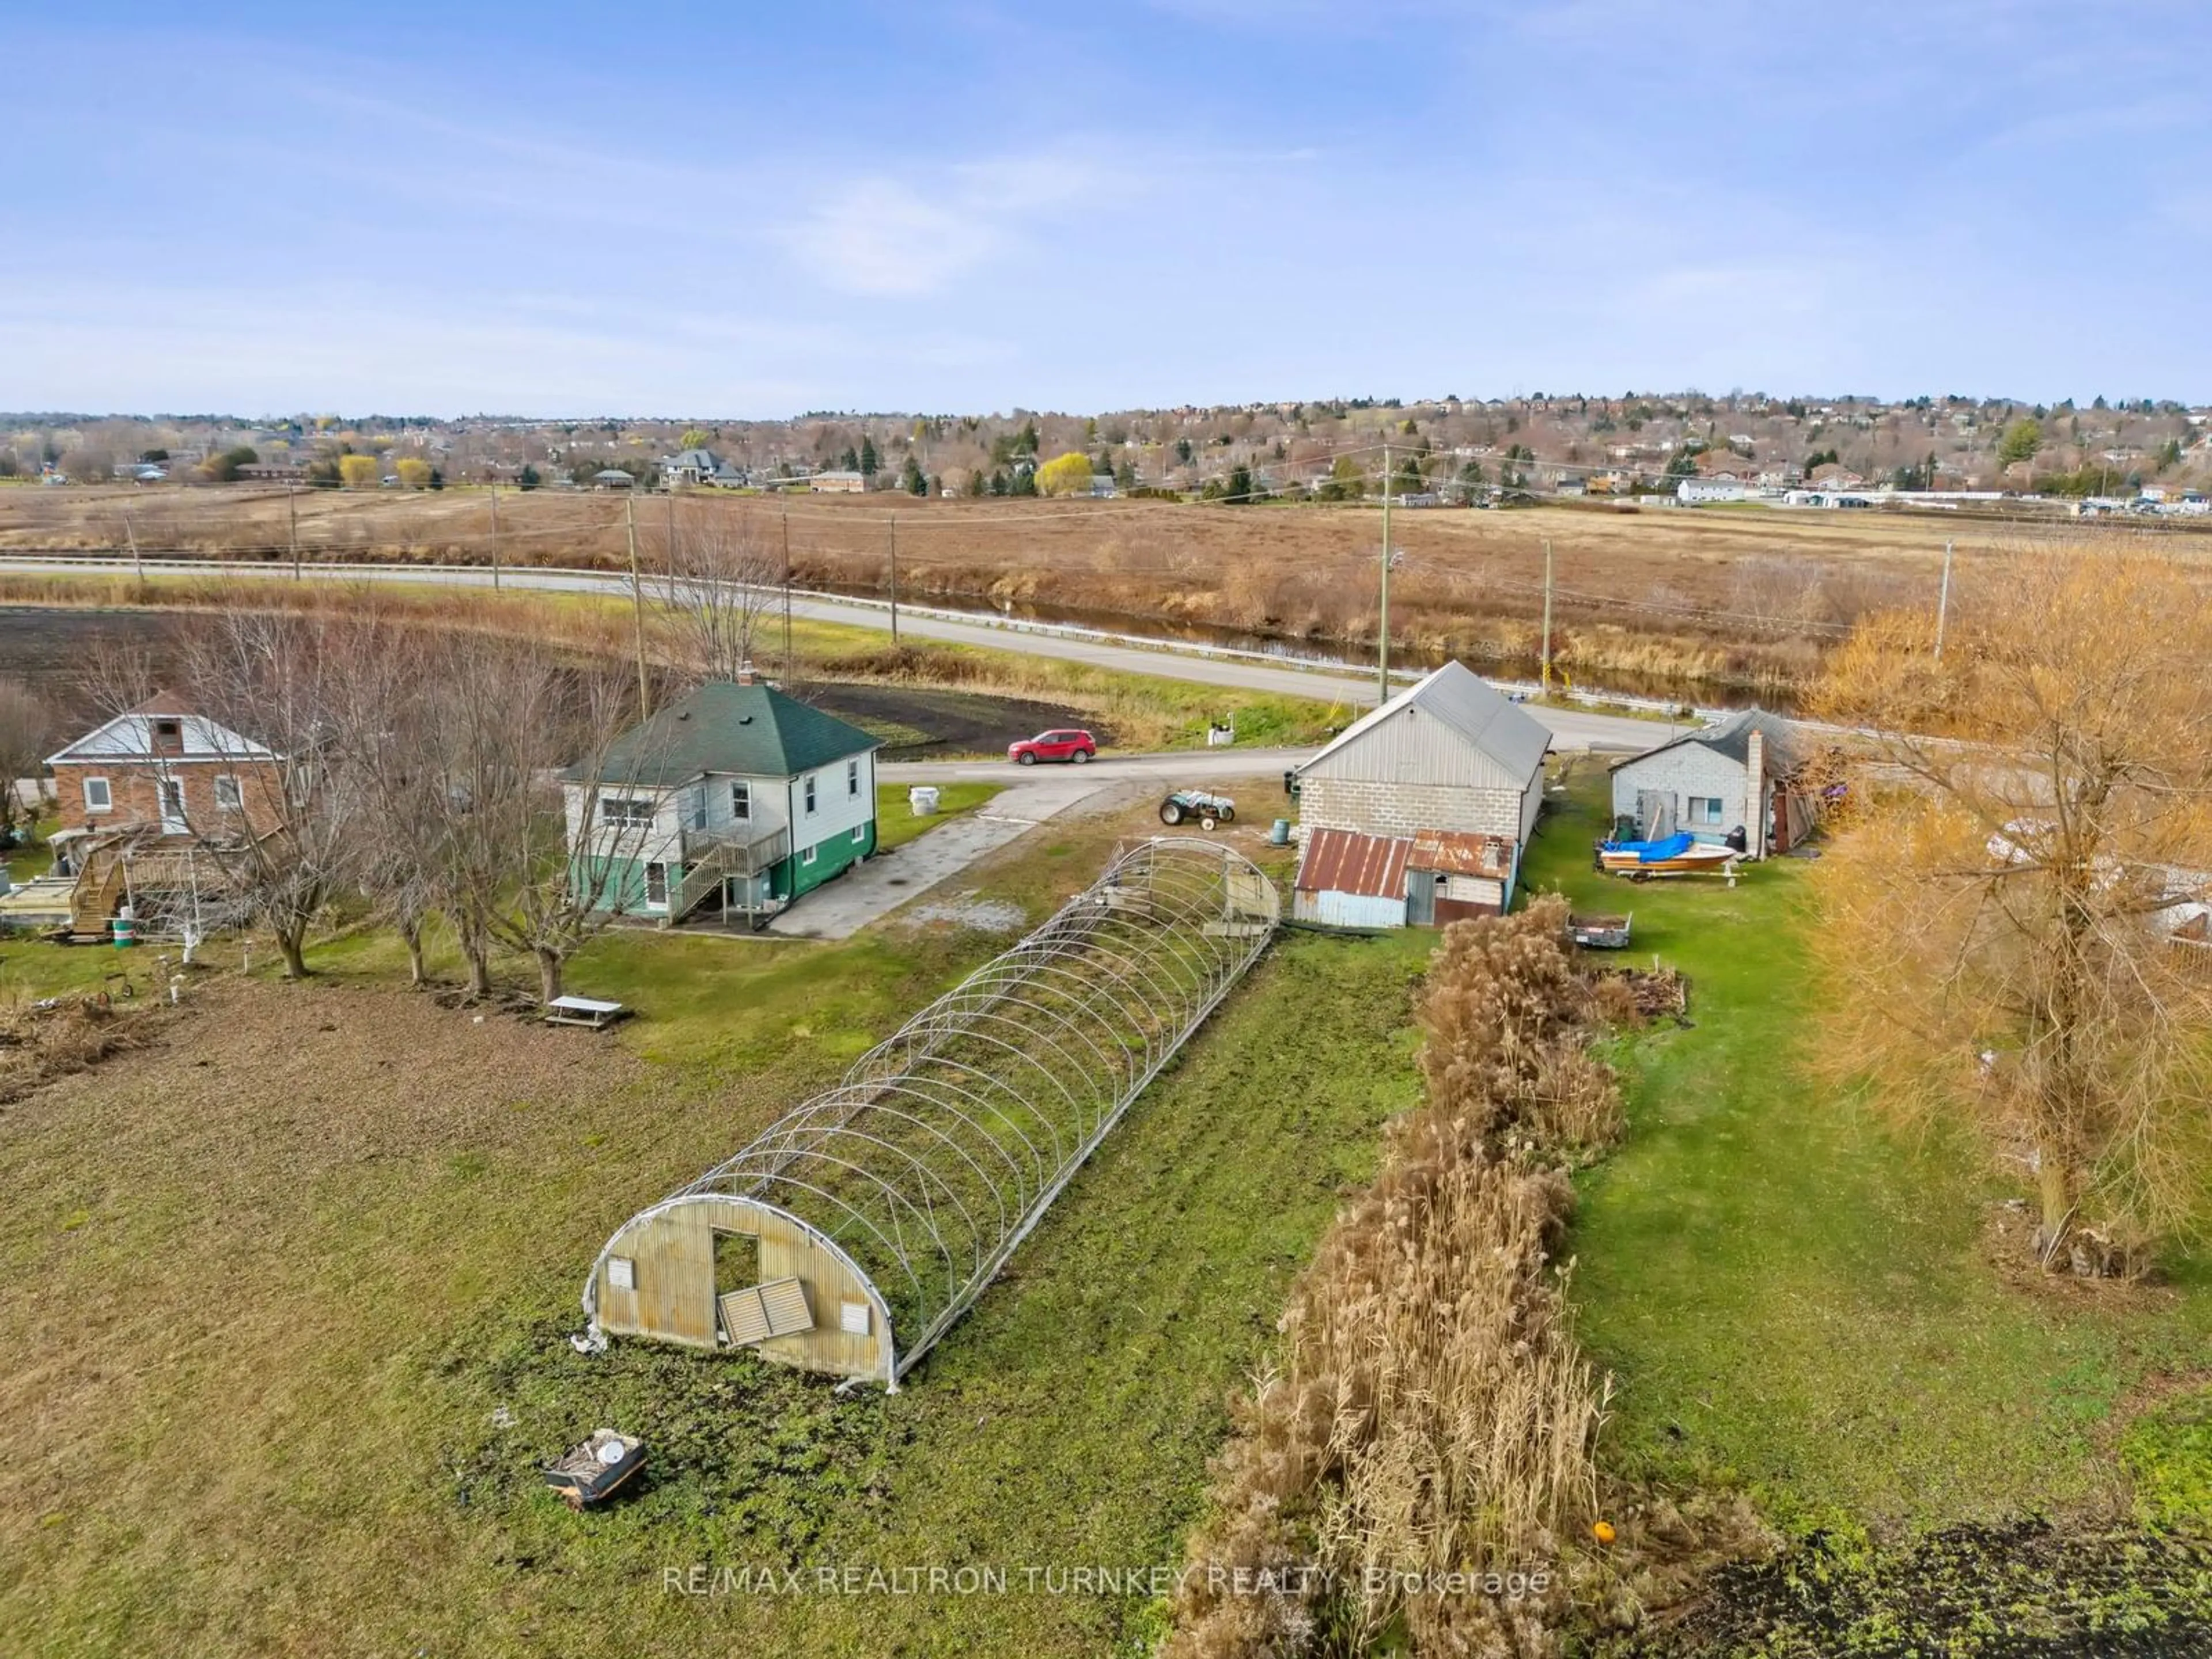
1431	1413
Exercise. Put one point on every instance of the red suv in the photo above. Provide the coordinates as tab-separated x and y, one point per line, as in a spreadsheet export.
1070	745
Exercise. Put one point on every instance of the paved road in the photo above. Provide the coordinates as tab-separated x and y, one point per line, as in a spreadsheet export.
1180	766
1167	658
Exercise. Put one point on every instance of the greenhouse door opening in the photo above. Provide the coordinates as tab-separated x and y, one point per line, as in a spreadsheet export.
736	1262
737	1280
751	1310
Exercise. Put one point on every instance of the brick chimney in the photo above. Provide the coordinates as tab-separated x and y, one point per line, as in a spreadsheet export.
745	676
1754	793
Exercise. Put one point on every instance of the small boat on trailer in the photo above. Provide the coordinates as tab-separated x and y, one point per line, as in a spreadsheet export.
1678	856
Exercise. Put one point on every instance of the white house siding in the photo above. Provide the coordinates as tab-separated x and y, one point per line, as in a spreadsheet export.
767	804
1400	809
657	845
835	811
658	842
1685	769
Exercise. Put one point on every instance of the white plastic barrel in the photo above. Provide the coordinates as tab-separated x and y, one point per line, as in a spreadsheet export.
921	799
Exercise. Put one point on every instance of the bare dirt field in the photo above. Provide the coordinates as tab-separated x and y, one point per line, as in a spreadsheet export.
1744	593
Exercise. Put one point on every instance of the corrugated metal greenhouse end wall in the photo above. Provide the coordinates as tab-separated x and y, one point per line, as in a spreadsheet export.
880	1209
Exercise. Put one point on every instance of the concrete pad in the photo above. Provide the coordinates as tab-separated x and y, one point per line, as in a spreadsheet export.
868	892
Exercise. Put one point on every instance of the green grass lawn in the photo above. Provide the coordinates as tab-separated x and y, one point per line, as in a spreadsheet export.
34	859
308	1462
897	825
1795	1300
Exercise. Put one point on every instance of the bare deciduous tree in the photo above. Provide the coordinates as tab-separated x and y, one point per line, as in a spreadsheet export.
27	734
720	578
271	682
384	705
515	869
1999	938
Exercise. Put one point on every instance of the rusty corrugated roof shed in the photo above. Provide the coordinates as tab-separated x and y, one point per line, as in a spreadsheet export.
1346	861
1461	852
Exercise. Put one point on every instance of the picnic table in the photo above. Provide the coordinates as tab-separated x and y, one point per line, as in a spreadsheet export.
589	1012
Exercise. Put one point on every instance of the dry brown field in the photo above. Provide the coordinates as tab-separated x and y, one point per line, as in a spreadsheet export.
1743	594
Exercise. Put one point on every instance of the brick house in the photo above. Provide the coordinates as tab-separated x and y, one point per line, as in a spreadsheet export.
163	770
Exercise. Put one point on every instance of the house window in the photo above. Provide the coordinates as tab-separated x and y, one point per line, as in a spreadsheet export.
624	812
741	801
1704	809
859	833
97	797
807	857
810	794
227	796
852	777
656	885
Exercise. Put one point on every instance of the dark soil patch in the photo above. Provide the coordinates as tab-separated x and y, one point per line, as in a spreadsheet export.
53	648
952	722
2028	1590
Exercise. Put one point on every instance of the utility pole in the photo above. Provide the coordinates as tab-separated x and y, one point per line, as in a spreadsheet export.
495	538
1944	602
895	638
137	566
1548	619
785	515
1382	633
292	512
638	606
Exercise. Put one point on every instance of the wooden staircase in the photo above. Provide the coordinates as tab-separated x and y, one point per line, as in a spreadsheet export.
710	858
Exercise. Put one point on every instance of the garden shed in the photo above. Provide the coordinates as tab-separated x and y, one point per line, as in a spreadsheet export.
852	1232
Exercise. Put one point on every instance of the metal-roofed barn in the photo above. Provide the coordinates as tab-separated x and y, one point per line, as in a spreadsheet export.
857	1228
1450	753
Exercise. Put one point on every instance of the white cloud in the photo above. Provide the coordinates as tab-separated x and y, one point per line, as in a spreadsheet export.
877	237
890	238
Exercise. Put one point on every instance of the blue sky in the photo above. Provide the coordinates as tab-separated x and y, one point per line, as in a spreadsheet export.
974	207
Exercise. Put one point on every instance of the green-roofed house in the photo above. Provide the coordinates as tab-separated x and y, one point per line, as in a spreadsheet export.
735	800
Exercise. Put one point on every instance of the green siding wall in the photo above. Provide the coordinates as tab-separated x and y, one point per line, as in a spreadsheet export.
796	876
624	885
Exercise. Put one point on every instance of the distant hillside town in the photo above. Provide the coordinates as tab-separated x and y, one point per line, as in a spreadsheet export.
2144	456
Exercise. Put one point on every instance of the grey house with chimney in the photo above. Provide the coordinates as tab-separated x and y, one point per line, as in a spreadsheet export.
1738	774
